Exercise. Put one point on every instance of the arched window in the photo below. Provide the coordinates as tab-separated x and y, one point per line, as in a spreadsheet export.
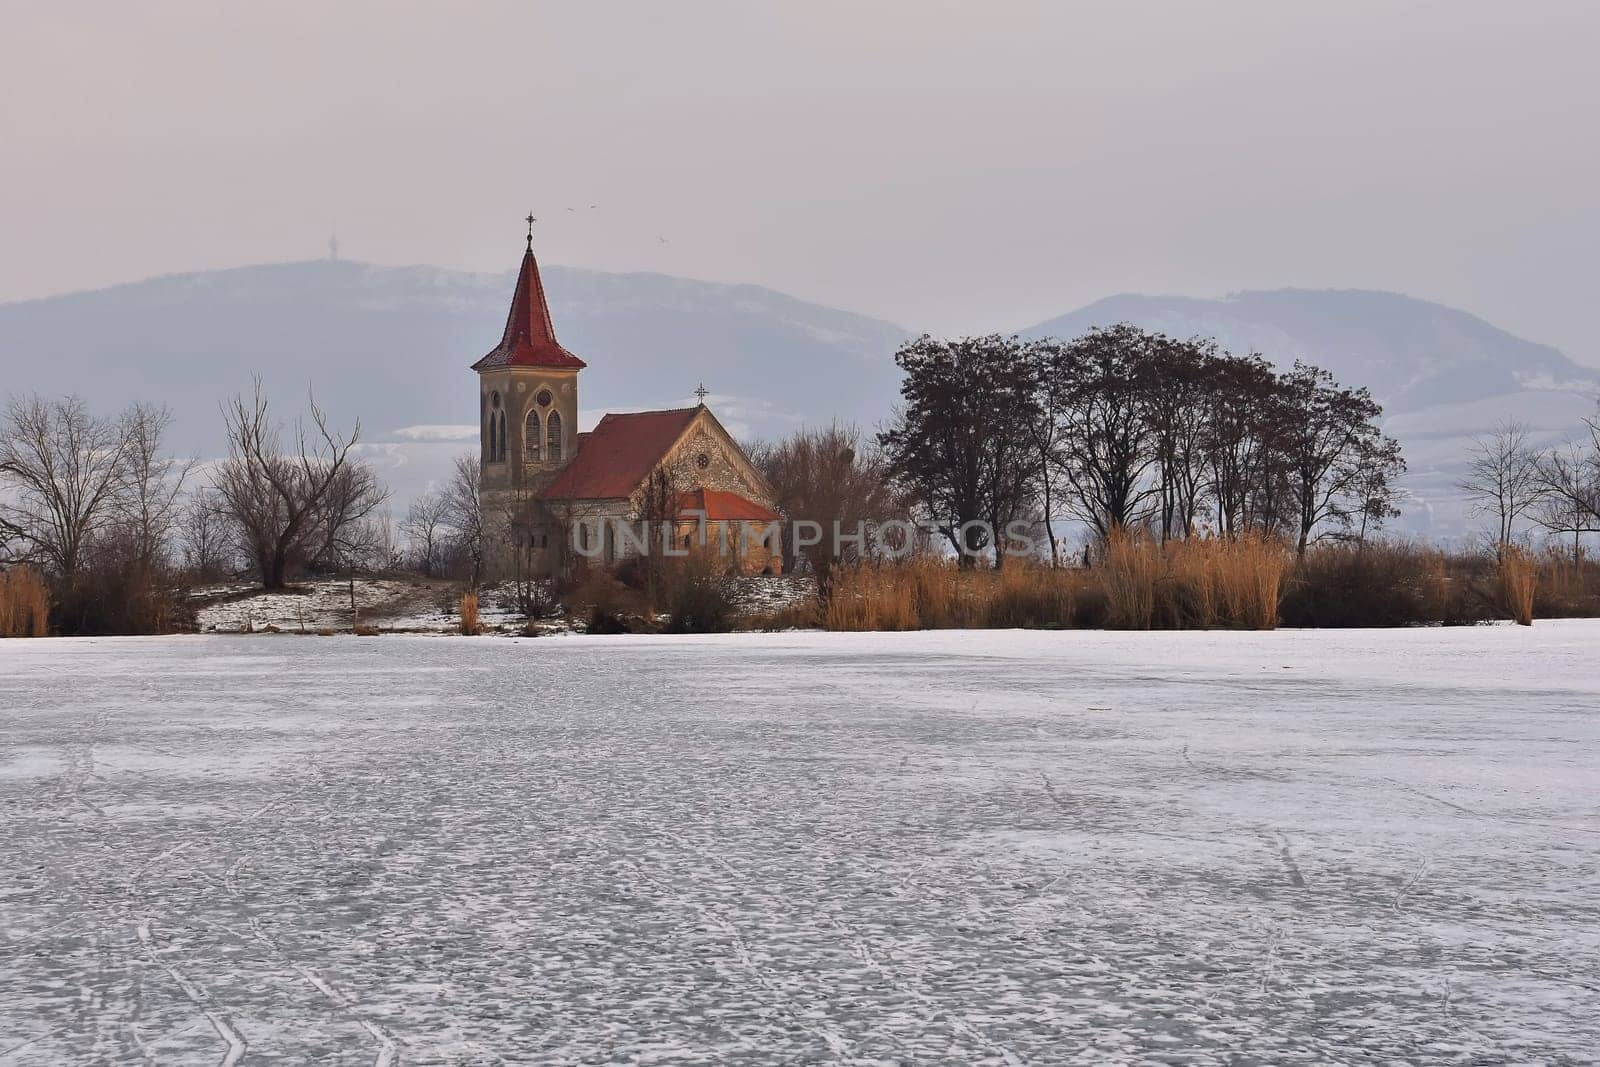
552	449
497	429
530	438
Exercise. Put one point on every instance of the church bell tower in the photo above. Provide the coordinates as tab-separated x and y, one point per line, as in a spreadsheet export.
527	394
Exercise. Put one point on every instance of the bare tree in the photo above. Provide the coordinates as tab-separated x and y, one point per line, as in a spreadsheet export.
1569	479
961	443
1052	390
425	527
826	476
1239	419
202	535
1330	441
1374	489
527	524
463	511
277	499
1108	447
149	503
65	468
1560	518
1503	479
1176	380
350	531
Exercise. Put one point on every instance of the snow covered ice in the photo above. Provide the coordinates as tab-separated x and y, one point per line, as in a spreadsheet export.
964	847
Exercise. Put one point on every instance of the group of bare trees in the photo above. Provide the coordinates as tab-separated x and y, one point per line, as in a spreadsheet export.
73	484
1125	428
1518	485
444	526
91	502
115	522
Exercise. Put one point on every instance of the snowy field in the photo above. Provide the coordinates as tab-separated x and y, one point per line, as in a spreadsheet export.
1004	847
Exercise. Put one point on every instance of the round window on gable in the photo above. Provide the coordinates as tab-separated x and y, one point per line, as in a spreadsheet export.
702	461
544	398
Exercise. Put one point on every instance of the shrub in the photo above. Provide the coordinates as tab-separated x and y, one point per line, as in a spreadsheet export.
114	595
1567	587
804	614
24	603
468	608
700	604
606	605
1386	584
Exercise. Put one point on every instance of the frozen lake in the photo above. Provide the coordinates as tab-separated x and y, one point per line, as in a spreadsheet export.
1006	847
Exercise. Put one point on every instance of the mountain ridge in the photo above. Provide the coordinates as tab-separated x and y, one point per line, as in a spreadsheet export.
393	345
1353	333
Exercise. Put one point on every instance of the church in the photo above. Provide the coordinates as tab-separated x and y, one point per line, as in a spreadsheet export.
664	482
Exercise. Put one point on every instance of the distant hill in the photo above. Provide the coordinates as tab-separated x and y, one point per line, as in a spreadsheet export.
393	345
1411	353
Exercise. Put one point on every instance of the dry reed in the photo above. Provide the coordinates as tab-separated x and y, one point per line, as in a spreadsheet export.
1249	576
1141	584
1518	580
1131	569
469	614
24	603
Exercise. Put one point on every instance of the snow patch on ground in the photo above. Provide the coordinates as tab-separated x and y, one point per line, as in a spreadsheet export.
414	606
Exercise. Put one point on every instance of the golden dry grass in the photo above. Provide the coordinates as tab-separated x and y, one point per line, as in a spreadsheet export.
869	597
24	603
1248	575
1139	585
1518	581
1131	569
469	614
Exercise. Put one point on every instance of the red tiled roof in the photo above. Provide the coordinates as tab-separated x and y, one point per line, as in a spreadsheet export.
619	454
530	337
714	505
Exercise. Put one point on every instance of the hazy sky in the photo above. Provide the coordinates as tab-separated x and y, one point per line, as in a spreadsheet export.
952	167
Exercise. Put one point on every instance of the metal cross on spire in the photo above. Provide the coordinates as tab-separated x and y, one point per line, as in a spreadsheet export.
531	221
702	392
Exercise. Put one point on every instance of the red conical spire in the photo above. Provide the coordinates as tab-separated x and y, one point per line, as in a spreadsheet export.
530	336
